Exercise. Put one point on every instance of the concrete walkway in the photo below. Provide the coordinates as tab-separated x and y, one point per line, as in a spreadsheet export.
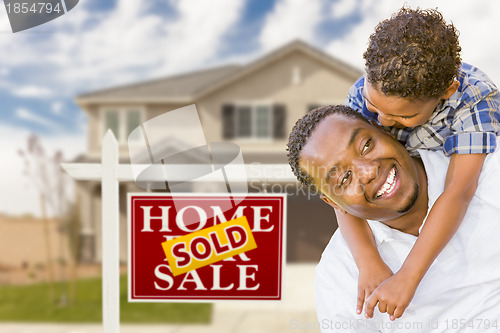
295	313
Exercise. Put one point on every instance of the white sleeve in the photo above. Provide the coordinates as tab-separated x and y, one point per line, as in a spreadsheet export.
336	290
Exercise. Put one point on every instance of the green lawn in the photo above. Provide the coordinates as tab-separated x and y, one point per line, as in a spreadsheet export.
31	304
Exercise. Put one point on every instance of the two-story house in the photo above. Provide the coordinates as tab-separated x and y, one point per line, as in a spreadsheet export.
253	105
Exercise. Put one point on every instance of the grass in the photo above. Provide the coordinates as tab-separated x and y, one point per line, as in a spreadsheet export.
32	304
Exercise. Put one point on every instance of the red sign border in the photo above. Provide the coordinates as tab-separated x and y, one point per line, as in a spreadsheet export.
198	299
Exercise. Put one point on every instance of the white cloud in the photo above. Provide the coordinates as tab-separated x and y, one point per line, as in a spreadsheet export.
342	8
289	20
31	91
30	116
476	21
56	108
351	47
196	35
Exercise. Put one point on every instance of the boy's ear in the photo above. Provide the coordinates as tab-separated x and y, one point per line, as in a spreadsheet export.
332	203
451	90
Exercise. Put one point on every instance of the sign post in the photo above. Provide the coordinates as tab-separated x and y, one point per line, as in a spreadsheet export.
110	236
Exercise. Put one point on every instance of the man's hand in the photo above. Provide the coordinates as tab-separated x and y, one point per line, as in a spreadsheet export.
393	296
370	277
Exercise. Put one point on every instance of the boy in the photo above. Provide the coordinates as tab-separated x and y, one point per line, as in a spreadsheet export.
418	89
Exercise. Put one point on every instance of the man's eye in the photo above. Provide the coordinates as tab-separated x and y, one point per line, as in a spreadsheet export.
346	178
366	146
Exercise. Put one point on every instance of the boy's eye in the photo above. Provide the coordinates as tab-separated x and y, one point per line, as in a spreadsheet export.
407	117
366	146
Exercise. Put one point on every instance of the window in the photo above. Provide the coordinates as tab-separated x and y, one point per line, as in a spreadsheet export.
263	122
112	122
253	122
133	120
121	121
244	121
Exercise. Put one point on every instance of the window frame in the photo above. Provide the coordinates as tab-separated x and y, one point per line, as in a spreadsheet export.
253	121
122	136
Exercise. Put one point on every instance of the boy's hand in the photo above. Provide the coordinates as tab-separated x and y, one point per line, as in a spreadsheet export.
370	277
393	296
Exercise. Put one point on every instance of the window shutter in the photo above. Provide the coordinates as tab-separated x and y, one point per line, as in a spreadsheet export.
279	121
228	121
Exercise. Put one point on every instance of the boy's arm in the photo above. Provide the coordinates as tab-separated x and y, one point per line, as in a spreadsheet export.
395	294
361	243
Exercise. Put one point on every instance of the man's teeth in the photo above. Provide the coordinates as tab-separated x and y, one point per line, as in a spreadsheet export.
389	183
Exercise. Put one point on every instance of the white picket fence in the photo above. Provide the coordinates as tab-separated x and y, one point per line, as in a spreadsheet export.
110	173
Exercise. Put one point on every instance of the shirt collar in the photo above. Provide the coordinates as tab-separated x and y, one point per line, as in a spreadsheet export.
384	233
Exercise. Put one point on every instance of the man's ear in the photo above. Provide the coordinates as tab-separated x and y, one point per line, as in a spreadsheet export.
451	90
332	203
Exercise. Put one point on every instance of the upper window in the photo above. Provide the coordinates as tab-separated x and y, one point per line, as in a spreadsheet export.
253	121
121	121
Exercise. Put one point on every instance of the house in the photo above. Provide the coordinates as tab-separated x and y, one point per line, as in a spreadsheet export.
253	105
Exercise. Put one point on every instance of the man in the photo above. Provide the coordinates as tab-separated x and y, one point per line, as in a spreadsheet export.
352	163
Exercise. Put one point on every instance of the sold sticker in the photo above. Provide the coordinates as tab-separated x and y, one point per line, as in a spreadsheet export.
209	245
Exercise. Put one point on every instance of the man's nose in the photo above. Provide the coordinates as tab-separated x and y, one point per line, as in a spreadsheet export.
366	170
385	120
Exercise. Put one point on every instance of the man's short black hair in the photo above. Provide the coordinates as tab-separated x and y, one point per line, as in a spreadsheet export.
413	55
302	131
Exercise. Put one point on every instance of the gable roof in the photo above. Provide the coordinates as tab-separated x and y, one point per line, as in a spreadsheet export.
179	88
186	88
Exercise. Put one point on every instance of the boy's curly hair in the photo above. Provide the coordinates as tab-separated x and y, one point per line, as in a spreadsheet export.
303	129
413	55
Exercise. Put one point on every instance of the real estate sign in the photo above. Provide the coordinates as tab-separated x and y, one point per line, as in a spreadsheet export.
205	247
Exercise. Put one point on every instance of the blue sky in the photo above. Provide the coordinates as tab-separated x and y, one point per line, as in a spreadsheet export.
103	43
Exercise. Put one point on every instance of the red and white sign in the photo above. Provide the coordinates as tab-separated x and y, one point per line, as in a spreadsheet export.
192	231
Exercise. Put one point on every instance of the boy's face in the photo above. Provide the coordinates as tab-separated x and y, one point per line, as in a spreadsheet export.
397	111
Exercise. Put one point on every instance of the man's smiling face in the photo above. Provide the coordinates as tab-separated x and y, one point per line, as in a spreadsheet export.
360	168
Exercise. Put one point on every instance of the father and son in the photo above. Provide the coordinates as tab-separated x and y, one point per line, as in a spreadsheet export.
408	216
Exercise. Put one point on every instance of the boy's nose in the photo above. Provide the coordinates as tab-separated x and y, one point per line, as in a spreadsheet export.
385	120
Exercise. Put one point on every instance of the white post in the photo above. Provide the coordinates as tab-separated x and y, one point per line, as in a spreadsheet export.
110	235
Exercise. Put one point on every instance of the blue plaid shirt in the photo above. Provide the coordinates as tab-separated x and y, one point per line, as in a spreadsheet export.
466	123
